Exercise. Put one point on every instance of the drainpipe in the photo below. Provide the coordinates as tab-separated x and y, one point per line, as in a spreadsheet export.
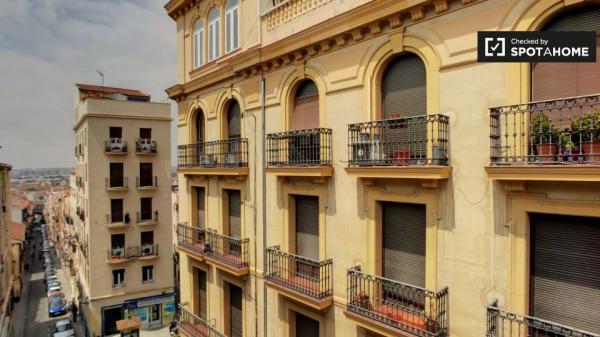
264	197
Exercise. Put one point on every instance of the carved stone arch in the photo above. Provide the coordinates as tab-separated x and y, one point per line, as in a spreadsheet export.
379	60
290	85
191	117
222	104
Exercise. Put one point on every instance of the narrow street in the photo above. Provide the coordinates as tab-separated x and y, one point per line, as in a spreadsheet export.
33	306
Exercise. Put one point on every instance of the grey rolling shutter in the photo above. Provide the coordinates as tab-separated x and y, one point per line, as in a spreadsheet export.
563	79
235	218
202	294
306	327
233	120
404	243
404	87
307	227
235	305
201	207
565	270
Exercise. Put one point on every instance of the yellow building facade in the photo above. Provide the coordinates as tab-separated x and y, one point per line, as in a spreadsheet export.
350	169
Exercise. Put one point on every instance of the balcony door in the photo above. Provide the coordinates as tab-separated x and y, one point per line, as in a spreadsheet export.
202	299
568	79
146	208
116	210
235	322
304	148
147	240
234	225
404	95
146	133
198	137
146	178
565	270
116	175
117	245
307	235
306	327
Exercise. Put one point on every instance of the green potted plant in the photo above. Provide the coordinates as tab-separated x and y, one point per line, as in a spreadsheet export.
545	137
588	129
569	149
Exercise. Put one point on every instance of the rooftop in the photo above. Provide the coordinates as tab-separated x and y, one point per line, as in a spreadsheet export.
102	91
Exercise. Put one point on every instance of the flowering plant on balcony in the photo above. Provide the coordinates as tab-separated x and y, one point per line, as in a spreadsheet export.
587	126
543	131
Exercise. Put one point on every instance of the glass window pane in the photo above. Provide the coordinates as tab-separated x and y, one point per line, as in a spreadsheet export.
235	28
228	32
217	47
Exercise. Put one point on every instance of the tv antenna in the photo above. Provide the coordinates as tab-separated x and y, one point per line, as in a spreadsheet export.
101	75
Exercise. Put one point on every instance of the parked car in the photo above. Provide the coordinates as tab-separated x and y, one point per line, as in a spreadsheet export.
50	278
63	328
52	283
54	291
56	306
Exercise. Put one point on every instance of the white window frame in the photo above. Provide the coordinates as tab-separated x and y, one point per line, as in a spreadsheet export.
198	42
232	26
120	282
149	274
214	27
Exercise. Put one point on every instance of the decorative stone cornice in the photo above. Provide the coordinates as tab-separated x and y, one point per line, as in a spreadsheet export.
289	10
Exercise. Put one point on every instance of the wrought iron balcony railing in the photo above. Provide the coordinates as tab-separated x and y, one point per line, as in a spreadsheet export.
117	218
145	146
227	250
116	183
420	140
147	216
146	182
228	153
194	326
191	238
115	145
405	307
121	254
299	148
559	132
502	323
149	249
309	277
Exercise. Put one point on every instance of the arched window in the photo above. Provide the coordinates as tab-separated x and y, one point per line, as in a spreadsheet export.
568	79
234	129
231	25
198	40
199	125
306	106
404	91
214	25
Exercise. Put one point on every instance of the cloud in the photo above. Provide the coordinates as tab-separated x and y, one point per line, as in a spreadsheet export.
46	46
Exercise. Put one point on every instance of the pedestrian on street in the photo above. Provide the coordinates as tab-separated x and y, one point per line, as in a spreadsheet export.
74	310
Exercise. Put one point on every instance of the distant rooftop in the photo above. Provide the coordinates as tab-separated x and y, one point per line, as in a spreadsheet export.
96	91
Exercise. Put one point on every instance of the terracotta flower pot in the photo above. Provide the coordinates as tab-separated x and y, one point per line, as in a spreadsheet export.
546	152
591	151
570	155
402	157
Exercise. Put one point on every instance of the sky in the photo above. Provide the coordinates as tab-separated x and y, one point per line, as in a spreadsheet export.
46	46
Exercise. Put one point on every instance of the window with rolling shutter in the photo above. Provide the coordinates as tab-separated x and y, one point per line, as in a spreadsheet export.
564	79
235	217
306	107
404	242
404	87
307	226
202	294
306	327
233	120
565	270
235	311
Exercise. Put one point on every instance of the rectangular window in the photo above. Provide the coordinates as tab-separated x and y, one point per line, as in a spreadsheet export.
147	274
117	241
115	132
116	210
228	25
118	277
145	175
211	39
146	208
116	175
234	311
147	239
235	28
202	296
145	133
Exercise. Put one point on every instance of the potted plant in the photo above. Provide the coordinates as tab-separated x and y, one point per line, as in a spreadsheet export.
588	129
545	137
569	148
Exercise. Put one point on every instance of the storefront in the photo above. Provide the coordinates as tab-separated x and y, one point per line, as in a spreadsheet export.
153	311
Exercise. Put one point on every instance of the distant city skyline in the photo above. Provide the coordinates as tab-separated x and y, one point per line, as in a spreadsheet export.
48	46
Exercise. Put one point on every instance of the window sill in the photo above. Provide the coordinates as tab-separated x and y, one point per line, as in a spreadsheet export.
215	63
148	282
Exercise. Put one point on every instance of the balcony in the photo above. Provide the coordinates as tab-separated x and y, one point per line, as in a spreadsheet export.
555	140
300	153
192	240
148	251
412	148
299	278
191	325
146	183
221	157
228	253
117	220
121	254
145	147
502	323
119	184
147	218
398	308
115	146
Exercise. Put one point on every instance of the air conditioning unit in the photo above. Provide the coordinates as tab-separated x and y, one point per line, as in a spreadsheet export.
145	145
232	159
206	160
116	144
